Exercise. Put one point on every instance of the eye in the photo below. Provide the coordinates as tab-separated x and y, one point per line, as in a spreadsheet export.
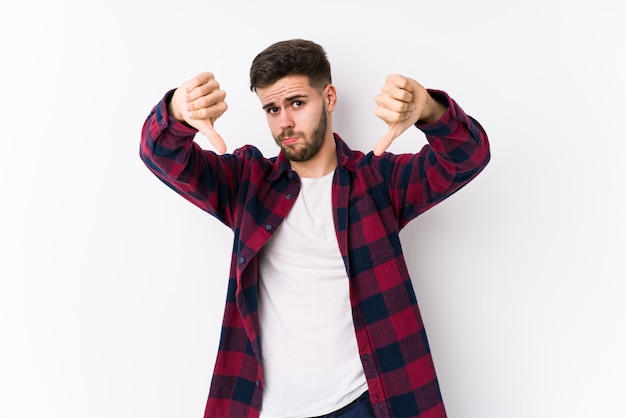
297	103
272	110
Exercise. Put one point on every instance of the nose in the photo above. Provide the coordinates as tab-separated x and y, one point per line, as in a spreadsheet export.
286	121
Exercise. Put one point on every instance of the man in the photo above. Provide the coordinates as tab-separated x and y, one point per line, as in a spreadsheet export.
321	317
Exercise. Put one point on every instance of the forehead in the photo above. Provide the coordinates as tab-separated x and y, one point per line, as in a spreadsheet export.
286	87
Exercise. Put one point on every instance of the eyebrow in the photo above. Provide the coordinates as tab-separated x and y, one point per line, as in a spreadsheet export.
287	100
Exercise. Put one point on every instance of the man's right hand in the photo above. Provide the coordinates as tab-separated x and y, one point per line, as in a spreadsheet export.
199	102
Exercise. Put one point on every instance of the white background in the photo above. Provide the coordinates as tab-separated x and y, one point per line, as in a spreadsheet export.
112	286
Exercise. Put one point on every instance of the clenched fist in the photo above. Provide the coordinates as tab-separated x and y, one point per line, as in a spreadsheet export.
401	103
199	102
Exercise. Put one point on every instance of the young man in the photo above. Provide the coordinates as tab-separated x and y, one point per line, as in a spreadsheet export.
321	318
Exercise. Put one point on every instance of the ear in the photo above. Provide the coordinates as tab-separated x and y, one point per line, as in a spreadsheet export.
330	97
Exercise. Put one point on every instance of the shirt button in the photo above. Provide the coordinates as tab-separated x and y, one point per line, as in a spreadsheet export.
288	196
242	259
268	227
258	383
290	175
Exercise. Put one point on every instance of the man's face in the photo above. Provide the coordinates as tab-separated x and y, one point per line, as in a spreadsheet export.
296	113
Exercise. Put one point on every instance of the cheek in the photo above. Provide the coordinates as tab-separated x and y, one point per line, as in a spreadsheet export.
307	121
274	126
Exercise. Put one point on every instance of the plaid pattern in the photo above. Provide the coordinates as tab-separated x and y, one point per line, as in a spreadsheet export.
373	198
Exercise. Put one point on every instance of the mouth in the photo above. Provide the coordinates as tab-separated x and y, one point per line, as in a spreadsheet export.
290	140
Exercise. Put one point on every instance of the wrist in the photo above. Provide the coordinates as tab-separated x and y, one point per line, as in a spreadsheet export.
433	110
172	111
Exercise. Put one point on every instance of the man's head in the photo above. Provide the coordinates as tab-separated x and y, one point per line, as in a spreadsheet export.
292	81
292	57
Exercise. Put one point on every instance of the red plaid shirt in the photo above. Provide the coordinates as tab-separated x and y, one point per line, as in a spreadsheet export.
373	199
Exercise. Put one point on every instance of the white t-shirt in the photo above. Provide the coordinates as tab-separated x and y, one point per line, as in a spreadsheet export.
309	351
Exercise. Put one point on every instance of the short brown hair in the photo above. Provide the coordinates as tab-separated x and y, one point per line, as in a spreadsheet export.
291	57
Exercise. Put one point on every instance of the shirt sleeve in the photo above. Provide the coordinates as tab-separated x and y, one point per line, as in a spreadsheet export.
457	151
203	177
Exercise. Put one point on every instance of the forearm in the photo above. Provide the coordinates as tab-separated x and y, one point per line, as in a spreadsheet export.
459	143
457	151
166	143
434	109
168	150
